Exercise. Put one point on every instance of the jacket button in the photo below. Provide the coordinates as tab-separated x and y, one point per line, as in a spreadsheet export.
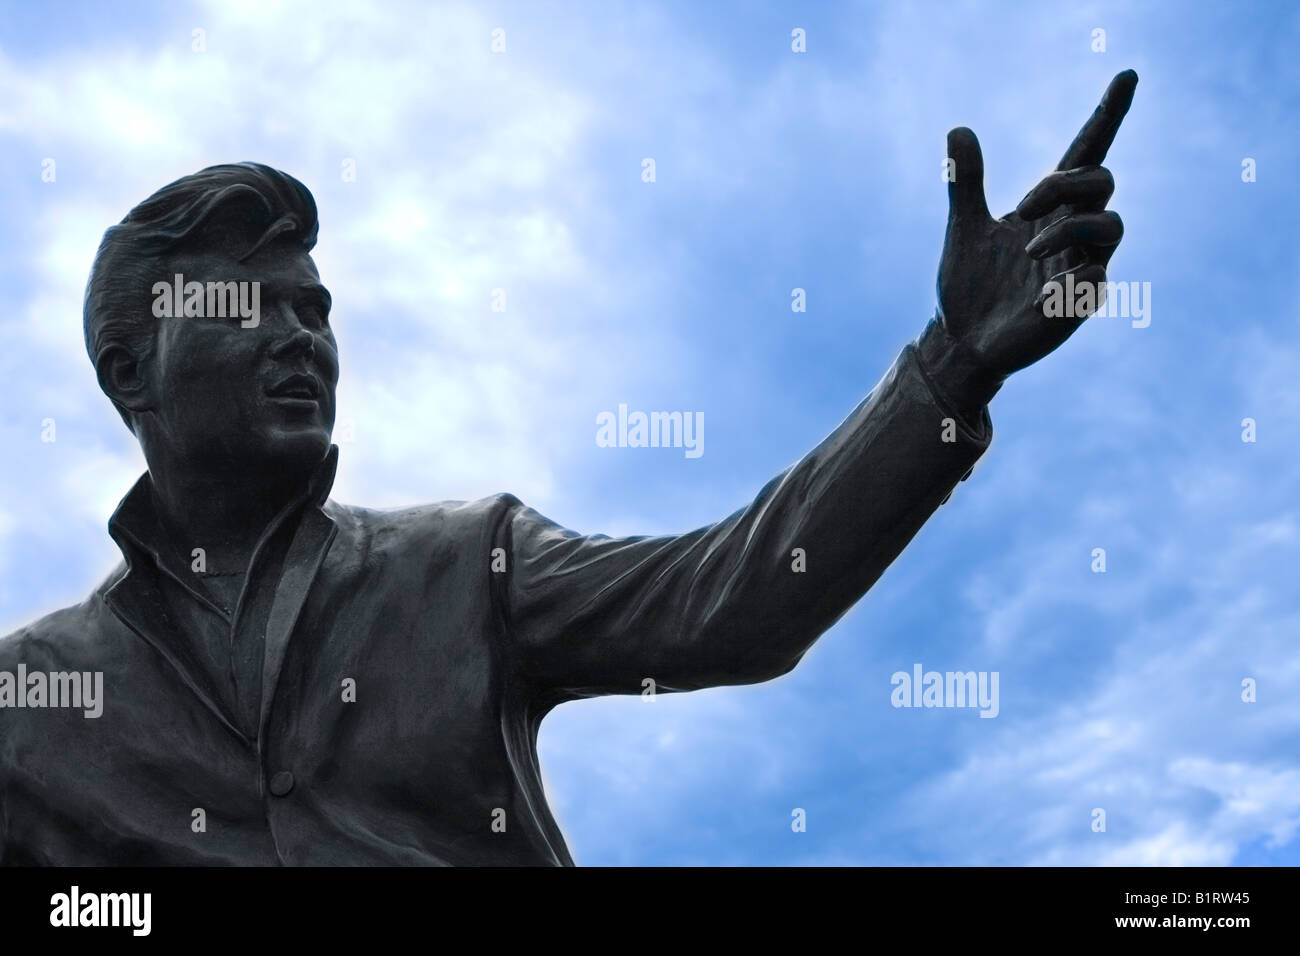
281	783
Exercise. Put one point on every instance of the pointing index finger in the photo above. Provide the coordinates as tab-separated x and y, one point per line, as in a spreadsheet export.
1094	139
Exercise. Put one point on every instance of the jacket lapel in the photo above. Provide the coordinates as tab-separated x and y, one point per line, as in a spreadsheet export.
137	602
311	542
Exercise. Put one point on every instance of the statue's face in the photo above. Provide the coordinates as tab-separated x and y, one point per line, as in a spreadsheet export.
256	397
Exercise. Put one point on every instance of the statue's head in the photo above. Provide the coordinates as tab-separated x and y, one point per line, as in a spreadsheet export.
233	365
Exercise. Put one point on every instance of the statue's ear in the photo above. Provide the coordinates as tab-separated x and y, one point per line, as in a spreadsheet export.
122	377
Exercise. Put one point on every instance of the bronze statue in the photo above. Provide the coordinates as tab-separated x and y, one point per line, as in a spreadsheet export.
288	680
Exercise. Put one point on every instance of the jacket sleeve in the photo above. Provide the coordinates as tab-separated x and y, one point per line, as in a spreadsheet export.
728	603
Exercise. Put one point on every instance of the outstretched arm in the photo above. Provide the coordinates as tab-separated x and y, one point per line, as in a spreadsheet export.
739	601
742	600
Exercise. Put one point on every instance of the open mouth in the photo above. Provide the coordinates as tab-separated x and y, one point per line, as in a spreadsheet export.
299	386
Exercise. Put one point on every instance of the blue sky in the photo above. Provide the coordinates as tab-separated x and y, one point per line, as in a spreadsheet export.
775	170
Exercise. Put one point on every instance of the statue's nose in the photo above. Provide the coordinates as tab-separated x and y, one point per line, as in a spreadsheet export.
300	341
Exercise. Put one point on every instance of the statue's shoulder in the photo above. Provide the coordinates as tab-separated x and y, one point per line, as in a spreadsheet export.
449	519
53	638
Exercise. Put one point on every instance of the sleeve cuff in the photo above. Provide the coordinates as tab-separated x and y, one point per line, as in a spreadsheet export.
961	384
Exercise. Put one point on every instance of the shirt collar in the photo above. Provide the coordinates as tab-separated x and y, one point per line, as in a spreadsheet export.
135	523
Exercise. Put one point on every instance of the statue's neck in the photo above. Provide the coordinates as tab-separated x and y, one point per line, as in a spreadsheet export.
225	512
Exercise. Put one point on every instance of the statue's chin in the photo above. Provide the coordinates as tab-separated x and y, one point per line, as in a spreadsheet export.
280	454
297	451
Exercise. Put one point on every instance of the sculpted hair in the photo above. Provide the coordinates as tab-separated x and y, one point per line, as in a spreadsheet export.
237	208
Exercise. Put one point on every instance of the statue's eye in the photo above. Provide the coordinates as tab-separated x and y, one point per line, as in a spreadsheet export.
312	313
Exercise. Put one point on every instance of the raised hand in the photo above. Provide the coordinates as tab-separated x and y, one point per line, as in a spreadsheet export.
993	271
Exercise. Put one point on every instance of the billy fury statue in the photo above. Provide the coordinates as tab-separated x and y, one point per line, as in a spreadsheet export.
249	605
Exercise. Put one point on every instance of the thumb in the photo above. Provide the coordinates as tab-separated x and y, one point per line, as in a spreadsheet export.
965	173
